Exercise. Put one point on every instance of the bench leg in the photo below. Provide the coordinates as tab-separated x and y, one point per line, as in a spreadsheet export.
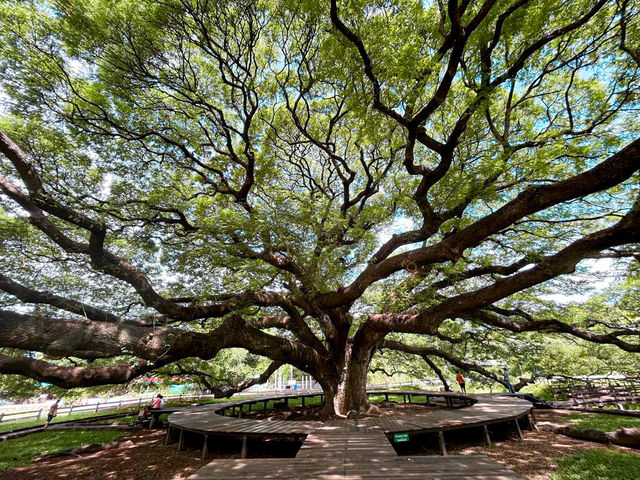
181	440
487	438
532	421
243	452
205	447
443	446
518	428
166	439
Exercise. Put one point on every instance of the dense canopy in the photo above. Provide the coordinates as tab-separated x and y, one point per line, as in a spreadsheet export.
314	182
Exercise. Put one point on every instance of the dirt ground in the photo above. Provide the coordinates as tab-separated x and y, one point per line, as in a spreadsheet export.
535	457
143	456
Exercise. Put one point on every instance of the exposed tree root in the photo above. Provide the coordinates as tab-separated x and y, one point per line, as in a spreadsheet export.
626	437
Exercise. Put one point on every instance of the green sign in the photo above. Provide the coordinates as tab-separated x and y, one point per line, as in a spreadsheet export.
400	437
176	388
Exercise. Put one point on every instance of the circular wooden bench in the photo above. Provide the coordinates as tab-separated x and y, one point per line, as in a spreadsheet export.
464	411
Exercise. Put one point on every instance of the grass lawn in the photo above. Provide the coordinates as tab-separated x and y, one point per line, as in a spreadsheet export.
604	422
22	451
127	419
627	406
308	401
32	422
540	390
599	465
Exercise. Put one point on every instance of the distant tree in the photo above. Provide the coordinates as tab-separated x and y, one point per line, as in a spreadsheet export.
307	181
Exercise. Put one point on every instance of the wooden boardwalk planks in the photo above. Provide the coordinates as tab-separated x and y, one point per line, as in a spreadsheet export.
427	468
339	455
486	410
354	449
352	445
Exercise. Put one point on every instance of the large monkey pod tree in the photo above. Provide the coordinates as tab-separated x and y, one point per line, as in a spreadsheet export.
309	181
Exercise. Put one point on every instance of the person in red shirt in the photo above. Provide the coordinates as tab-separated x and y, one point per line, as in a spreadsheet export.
158	403
461	381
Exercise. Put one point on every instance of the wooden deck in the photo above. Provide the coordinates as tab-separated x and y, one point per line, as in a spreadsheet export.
468	467
485	410
328	455
330	445
355	449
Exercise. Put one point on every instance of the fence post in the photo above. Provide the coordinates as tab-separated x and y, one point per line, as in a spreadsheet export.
70	409
97	404
39	413
1	415
120	405
140	402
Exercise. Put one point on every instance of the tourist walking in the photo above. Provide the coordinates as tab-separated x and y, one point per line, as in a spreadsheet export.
505	375
461	381
53	412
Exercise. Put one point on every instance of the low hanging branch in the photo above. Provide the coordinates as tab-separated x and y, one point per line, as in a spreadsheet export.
222	392
434	352
438	372
59	338
69	377
389	374
552	325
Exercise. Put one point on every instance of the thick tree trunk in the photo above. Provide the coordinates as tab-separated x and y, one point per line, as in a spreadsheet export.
352	390
347	391
346	394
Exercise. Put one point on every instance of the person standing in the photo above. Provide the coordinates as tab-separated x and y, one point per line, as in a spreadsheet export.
53	412
505	375
461	381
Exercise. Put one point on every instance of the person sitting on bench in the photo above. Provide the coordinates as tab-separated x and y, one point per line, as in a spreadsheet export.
158	403
144	415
